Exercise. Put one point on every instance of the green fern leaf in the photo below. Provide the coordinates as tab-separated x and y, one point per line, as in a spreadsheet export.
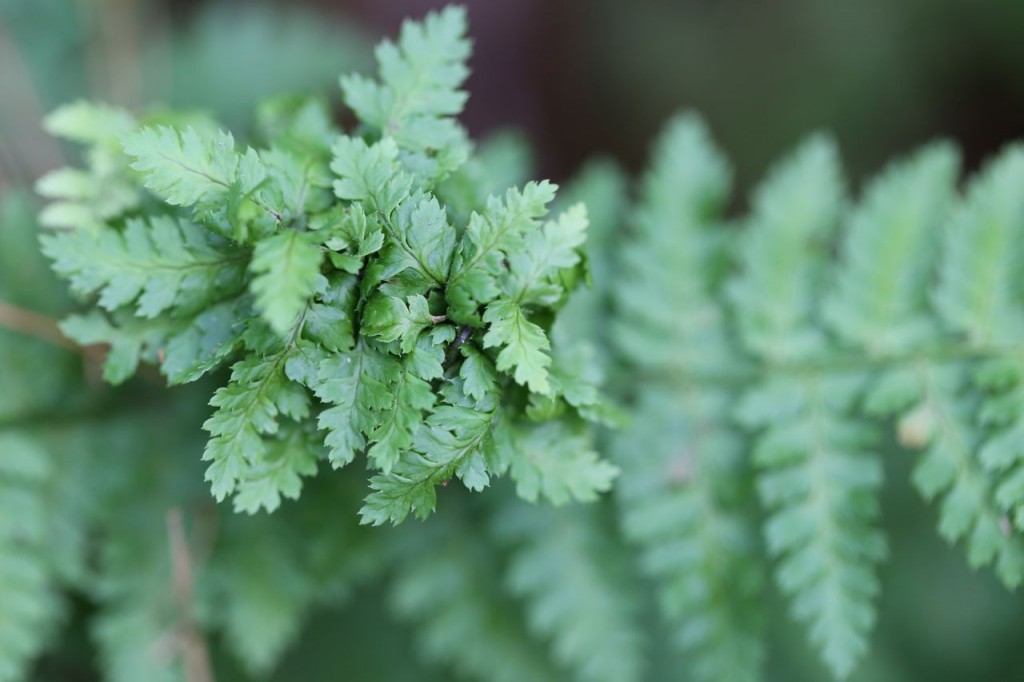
795	212
524	345
161	264
286	266
555	461
576	593
446	445
419	94
489	237
186	169
683	504
31	605
248	410
452	592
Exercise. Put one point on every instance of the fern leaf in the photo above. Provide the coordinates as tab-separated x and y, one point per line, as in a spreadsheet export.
183	167
412	395
87	199
682	506
601	186
135	627
1001	453
950	471
553	248
453	594
888	251
392	319
355	384
665	319
563	566
978	292
369	173
125	347
449	441
821	483
795	212
286	266
681	501
248	410
489	237
817	474
159	264
89	123
30	602
524	345
555	461
424	241
265	589
418	94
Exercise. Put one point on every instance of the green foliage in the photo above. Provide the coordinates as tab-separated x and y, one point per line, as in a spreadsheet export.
26	589
451	588
683	501
396	294
352	311
759	335
577	592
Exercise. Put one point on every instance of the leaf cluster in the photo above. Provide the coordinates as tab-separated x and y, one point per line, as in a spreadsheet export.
326	270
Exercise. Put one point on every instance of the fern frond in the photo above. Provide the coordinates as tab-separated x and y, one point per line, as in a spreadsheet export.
683	506
781	257
185	169
888	251
286	266
679	498
135	629
818	477
85	199
820	480
264	588
418	95
557	461
452	592
666	319
244	432
950	471
161	264
979	288
577	595
30	602
489	237
1001	452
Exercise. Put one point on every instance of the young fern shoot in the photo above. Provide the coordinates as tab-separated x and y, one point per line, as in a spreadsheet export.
325	268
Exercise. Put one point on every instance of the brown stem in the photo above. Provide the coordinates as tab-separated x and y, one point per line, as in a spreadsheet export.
195	657
33	324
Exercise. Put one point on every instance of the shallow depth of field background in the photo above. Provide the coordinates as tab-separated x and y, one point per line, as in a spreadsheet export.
586	77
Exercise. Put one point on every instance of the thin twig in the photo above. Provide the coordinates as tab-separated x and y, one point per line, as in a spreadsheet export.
194	654
33	324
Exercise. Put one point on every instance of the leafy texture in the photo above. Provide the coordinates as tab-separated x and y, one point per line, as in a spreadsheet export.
31	605
397	296
809	353
682	500
575	592
453	592
326	270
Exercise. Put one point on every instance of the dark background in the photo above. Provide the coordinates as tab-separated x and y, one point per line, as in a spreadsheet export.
580	76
